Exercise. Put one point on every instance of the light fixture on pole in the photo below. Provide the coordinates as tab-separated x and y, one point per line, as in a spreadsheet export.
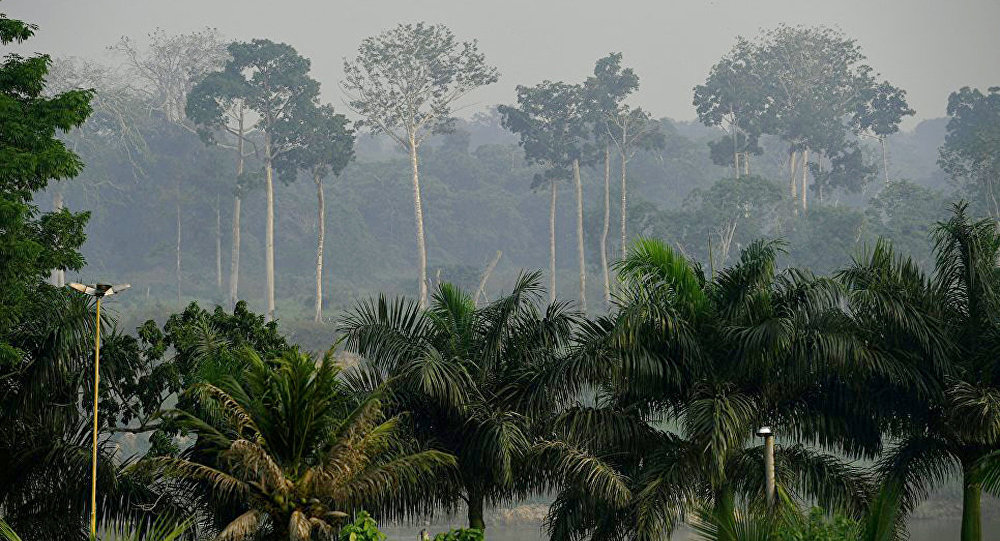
766	433
98	291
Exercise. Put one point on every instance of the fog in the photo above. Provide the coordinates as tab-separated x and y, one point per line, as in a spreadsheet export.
927	47
587	246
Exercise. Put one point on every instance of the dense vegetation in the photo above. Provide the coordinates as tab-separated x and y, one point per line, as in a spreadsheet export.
870	332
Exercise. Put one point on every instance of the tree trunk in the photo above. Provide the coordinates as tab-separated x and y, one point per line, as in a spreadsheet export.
218	243
58	277
177	247
481	290
476	521
418	212
321	222
234	261
792	169
269	232
746	164
885	160
972	528
552	242
805	179
624	208
579	235
607	226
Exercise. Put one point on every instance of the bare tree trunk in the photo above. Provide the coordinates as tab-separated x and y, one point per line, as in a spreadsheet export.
607	226
552	242
419	217
805	179
321	221
481	290
624	208
218	243
885	160
58	277
269	233
579	235
234	262
177	248
746	164
792	169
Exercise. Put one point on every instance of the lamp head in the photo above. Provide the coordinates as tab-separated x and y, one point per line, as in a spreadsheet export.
764	432
99	290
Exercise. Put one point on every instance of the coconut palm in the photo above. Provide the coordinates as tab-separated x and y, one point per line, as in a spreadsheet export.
464	373
945	327
688	366
284	443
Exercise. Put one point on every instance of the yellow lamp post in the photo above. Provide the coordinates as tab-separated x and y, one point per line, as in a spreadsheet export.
98	291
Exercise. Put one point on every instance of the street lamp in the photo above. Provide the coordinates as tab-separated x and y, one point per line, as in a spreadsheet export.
98	291
766	433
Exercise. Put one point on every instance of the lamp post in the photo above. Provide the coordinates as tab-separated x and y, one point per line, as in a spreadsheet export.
98	291
766	433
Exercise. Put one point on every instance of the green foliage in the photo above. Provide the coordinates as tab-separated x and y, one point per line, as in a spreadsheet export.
283	449
819	526
461	534
467	376
970	152
363	528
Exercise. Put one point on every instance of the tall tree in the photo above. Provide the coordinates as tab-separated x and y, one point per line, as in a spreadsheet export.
733	97
631	130
550	120
941	327
274	82
327	146
404	83
606	91
878	114
217	104
163	72
971	150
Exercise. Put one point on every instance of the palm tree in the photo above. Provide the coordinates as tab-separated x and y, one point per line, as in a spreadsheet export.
285	445
945	419
161	529
464	374
687	368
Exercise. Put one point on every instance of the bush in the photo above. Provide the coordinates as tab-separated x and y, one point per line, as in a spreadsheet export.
363	529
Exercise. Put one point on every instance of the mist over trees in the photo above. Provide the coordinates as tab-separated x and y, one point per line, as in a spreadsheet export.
791	258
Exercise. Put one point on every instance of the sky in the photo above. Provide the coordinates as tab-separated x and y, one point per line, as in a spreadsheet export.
928	47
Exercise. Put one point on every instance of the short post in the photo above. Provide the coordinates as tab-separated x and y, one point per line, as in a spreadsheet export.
769	488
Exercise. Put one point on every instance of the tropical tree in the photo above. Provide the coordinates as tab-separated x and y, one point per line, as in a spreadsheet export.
465	375
606	90
404	83
970	152
285	444
943	419
327	146
273	81
687	368
550	119
217	104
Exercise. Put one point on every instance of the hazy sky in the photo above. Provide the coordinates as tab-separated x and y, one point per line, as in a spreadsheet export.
928	47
